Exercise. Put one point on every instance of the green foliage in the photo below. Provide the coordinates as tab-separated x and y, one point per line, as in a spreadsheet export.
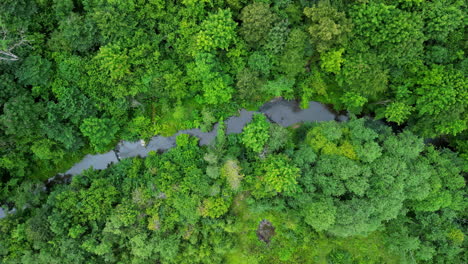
216	86
231	171
75	32
332	189
153	67
320	215
331	60
275	174
255	135
395	33
257	21
364	74
34	71
260	62
88	73
282	86
443	18
214	207
277	37
217	31
279	138
47	149
442	95
397	112
113	61
248	84
100	131
329	27
354	102
292	61
21	116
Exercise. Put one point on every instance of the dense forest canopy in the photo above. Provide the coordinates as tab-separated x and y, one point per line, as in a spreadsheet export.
78	76
351	192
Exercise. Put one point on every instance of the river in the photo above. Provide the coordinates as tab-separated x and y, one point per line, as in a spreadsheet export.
280	111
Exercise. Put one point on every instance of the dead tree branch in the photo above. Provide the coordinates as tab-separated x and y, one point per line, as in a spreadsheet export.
6	53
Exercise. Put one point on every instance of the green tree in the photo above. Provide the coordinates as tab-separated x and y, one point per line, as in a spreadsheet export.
257	21
331	60
255	135
329	27
21	117
47	149
100	131
217	31
441	96
443	17
320	214
293	61
398	112
248	85
393	33
275	174
260	62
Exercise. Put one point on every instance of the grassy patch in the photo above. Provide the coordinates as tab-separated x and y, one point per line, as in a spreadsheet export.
294	244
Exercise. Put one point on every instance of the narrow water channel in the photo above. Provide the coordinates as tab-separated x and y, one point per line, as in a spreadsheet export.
282	112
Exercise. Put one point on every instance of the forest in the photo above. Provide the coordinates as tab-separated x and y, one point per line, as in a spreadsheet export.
386	186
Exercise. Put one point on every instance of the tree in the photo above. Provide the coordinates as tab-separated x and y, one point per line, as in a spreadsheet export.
21	117
260	62
35	71
364	74
398	112
320	214
47	150
217	31
329	28
445	179
231	172
100	131
441	96
279	138
215	86
257	20
248	83
114	61
8	45
277	37
214	207
255	135
273	175
293	61
394	34
443	17
76	33
331	60
281	86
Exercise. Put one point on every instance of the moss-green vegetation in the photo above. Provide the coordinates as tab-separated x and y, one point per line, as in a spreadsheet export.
329	192
77	76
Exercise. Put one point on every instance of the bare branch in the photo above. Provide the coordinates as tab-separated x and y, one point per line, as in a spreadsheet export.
383	102
7	55
21	42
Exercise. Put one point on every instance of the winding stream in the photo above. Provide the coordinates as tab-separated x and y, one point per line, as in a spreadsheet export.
282	112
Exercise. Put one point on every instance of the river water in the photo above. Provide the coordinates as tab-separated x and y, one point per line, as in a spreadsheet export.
280	111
